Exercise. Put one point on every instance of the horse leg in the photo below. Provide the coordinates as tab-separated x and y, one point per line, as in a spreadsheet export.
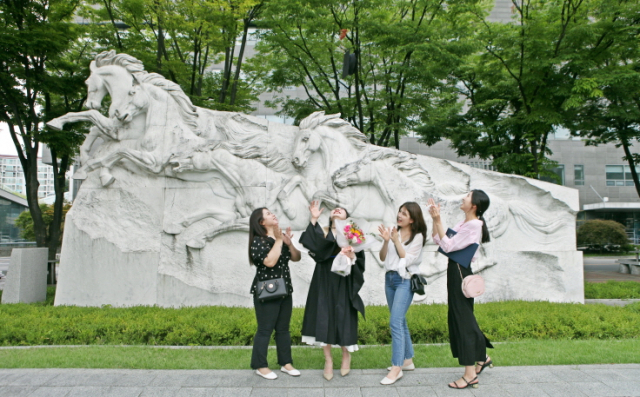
285	192
237	225
106	125
177	227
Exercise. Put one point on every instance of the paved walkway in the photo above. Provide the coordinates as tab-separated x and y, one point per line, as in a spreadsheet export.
540	381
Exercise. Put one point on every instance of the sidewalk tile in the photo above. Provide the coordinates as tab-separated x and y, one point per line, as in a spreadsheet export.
595	389
194	392
271	392
561	389
160	391
16	391
105	392
442	390
73	378
293	392
382	391
625	387
490	391
231	391
202	380
524	390
605	375
415	391
51	392
343	392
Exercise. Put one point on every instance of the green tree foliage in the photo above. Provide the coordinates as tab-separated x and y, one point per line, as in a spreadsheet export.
404	52
606	103
182	40
38	82
598	233
24	222
517	82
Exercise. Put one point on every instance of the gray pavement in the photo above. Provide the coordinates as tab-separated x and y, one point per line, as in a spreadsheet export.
552	381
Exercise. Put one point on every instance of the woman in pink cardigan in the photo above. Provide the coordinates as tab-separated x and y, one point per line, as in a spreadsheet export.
468	343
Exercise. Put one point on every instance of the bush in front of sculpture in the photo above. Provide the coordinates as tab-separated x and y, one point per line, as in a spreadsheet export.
37	324
598	235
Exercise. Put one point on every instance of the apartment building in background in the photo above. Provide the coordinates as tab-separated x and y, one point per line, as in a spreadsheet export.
12	177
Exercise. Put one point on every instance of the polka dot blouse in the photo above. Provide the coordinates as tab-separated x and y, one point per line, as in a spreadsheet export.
260	248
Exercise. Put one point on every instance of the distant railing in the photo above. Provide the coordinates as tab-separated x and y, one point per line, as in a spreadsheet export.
18	244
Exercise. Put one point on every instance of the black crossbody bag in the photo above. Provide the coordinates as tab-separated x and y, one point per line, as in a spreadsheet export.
417	284
271	289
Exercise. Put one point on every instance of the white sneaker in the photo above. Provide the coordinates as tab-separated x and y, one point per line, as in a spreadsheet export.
293	372
409	367
271	375
387	381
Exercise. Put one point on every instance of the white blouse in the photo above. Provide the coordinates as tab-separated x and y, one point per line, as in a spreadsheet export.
408	265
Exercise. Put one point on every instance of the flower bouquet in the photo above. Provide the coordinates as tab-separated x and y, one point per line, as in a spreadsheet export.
350	233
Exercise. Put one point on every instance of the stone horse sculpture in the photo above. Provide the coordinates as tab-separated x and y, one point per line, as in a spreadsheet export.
168	188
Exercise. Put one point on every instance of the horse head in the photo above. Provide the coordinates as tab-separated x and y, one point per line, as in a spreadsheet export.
137	102
305	144
352	174
96	89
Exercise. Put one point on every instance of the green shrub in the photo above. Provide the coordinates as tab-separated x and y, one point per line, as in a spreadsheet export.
43	324
602	235
612	290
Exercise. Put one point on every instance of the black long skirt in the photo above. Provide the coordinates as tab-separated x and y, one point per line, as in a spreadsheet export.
468	343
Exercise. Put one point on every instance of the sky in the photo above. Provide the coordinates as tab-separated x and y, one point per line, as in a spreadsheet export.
6	144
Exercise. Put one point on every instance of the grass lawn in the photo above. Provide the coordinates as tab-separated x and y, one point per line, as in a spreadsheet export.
549	352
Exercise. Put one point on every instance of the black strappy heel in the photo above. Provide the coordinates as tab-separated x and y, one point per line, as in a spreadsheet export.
488	363
471	383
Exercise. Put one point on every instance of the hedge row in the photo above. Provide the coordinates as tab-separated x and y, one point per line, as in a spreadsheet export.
612	290
38	324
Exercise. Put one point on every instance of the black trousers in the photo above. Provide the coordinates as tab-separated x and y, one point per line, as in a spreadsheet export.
272	315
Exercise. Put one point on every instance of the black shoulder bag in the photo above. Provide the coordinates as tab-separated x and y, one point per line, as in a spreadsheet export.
417	284
271	289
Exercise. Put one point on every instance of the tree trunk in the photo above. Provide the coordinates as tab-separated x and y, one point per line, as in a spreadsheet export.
59	185
234	88
632	165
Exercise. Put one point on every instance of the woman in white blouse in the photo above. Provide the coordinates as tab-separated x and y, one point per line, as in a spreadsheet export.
401	258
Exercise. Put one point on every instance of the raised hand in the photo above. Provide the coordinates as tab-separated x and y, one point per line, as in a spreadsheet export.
394	234
315	210
277	233
434	210
287	236
384	233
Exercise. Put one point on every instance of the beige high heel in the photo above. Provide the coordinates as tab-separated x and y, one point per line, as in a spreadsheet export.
327	376
345	371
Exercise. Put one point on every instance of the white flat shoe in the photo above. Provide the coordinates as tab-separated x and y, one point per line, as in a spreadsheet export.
409	367
293	372
387	381
271	375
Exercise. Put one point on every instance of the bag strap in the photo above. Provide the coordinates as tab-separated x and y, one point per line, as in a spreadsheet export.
460	270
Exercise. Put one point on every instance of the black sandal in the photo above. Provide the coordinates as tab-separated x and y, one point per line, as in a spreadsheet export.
472	383
486	364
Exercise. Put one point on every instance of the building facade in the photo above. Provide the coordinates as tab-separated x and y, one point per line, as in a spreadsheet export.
12	177
11	205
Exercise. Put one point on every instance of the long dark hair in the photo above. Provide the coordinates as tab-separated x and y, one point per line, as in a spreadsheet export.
418	225
481	201
256	228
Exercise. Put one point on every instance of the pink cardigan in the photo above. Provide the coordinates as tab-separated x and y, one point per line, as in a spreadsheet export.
468	233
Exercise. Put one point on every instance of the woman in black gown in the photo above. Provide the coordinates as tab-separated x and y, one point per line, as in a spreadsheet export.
468	343
333	303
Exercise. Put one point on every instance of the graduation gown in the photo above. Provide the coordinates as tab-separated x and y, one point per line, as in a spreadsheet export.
333	303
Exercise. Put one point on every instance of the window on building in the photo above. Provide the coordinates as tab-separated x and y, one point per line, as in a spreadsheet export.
559	171
620	175
578	175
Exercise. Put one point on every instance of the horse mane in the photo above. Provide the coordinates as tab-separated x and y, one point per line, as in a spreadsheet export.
186	109
405	162
136	68
316	119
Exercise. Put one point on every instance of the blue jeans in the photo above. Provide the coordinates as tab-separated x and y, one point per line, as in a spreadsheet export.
399	297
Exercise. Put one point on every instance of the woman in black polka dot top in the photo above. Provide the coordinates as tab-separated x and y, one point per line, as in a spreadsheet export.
270	251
